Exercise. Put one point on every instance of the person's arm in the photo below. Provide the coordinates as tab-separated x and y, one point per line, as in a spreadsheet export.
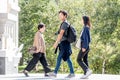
60	35
35	40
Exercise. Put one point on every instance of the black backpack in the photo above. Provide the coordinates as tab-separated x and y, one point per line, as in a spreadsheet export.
71	34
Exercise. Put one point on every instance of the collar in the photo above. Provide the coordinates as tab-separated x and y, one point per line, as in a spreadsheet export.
65	20
40	32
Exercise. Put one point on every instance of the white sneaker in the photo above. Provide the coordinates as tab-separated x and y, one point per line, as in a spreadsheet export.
88	73
52	74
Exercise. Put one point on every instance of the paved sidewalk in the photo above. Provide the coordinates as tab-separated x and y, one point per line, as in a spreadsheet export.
59	77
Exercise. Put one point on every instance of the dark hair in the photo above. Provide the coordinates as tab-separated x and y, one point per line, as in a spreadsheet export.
86	20
63	12
41	25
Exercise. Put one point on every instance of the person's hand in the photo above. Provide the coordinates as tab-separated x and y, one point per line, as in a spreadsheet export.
37	51
83	49
55	45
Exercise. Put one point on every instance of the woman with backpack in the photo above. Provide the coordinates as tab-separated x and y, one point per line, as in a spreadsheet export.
82	57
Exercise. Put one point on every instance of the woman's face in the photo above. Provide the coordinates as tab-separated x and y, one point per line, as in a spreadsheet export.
42	29
62	17
82	22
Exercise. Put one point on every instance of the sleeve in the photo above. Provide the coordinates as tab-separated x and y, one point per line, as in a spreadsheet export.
64	26
35	40
85	42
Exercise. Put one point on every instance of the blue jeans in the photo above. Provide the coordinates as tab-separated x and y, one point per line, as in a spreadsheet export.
64	46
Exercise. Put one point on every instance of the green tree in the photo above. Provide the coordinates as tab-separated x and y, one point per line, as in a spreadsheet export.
105	17
30	15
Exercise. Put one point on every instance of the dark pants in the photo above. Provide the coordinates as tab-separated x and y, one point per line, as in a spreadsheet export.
82	60
38	57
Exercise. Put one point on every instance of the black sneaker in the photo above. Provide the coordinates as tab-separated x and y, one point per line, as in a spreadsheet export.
26	73
46	75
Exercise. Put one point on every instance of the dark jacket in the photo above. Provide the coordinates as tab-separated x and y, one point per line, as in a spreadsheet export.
85	37
65	49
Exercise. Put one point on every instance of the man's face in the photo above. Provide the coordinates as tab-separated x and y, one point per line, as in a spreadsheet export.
61	16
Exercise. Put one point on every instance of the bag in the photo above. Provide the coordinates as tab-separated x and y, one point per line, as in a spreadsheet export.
71	34
32	50
78	44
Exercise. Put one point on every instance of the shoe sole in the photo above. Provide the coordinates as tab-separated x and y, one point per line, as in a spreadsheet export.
84	78
70	77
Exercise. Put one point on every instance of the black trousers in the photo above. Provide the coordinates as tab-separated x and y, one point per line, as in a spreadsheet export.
38	57
82	60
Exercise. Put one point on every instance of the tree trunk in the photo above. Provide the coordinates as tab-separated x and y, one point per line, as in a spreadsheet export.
103	67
